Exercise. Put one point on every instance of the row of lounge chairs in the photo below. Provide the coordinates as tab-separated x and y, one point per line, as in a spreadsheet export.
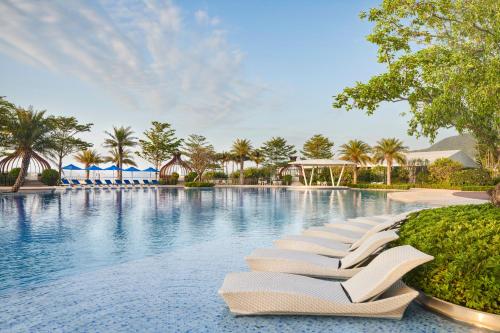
109	183
342	269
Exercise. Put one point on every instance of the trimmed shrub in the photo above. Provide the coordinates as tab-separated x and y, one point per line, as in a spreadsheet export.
50	177
287	179
198	184
215	175
441	169
382	186
190	176
477	188
471	177
464	242
14	173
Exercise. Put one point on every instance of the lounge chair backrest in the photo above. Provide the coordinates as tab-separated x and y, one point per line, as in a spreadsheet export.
371	244
98	182
108	182
88	182
155	182
127	182
118	182
75	181
146	181
380	274
65	181
136	182
376	228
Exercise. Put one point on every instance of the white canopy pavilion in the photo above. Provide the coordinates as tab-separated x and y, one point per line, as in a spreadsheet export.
319	164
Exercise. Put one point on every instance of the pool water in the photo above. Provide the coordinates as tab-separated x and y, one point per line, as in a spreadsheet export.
153	259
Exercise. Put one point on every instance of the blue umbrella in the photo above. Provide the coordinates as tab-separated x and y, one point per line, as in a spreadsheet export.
150	169
132	170
71	167
113	168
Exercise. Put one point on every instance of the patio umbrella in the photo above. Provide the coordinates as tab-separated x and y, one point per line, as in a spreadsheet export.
93	168
150	169
132	170
113	168
71	167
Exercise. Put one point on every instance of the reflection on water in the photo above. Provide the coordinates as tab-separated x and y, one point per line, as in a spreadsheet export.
45	236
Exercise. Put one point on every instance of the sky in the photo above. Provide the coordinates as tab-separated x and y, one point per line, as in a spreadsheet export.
222	69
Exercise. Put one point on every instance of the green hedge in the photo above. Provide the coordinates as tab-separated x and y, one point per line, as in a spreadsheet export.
49	177
464	241
198	184
382	186
476	188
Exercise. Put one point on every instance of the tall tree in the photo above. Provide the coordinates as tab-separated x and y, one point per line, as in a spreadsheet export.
6	112
318	146
160	143
242	148
119	140
257	157
88	157
356	151
277	151
65	138
28	132
201	154
127	157
390	150
442	58
224	158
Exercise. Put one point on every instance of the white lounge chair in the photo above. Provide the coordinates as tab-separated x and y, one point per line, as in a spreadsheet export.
310	264
347	236
376	291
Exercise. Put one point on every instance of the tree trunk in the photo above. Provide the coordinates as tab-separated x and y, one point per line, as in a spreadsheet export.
87	172
59	168
242	162
24	170
389	169
355	175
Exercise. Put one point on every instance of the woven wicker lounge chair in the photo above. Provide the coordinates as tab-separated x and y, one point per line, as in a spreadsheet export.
311	264
376	291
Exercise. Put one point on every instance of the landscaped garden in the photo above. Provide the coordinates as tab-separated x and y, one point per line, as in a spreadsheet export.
464	241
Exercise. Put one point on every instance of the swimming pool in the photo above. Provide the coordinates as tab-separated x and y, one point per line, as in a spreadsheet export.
153	259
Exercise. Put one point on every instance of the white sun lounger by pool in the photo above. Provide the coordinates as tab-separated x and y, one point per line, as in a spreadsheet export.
376	291
356	238
374	220
310	264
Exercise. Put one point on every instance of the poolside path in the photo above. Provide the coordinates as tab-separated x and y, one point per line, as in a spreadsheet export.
439	197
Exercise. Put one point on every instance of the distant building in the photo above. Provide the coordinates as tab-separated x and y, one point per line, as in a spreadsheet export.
430	156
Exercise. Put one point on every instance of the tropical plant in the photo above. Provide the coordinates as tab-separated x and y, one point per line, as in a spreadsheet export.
118	141
6	112
277	152
471	177
257	157
441	169
442	59
318	147
224	158
127	157
65	138
241	149
201	154
160	143
88	157
355	151
390	150
27	132
50	177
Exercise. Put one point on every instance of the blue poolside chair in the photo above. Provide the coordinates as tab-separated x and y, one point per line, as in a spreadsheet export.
98	182
128	183
137	182
146	182
109	183
76	182
118	182
89	182
66	182
155	182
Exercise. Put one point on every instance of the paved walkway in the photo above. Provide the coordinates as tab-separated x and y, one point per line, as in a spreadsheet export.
439	197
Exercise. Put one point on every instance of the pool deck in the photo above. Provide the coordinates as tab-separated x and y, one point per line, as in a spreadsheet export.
439	197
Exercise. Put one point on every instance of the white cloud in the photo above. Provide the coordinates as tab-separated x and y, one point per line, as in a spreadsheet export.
143	53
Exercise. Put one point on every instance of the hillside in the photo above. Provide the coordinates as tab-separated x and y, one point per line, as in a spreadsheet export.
464	142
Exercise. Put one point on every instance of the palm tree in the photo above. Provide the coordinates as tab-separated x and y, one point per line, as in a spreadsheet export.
127	157
257	157
389	150
355	151
242	149
119	141
224	158
28	133
88	157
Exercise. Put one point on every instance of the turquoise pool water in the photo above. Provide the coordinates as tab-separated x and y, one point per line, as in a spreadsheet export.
152	260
